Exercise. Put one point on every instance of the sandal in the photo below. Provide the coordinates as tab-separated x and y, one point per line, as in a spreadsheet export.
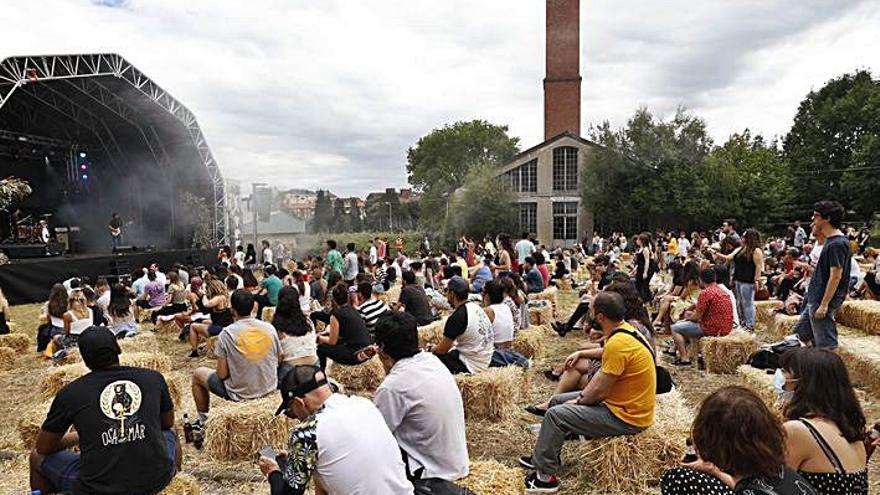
680	362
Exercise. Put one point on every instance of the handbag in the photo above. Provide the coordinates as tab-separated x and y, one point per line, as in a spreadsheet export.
664	379
431	486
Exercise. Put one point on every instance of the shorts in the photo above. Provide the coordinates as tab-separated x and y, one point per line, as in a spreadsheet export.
453	362
63	467
214	330
688	329
217	387
822	333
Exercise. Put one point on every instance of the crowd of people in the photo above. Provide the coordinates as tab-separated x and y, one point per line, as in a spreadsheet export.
337	307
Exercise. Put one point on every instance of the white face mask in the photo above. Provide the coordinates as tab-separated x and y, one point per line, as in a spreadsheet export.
779	382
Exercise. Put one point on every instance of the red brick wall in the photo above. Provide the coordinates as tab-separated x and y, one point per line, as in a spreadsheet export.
562	82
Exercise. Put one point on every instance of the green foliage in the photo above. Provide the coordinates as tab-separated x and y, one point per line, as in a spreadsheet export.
200	218
355	223
313	244
836	132
438	164
322	221
484	204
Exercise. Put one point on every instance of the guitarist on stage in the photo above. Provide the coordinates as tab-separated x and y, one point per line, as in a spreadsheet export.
115	227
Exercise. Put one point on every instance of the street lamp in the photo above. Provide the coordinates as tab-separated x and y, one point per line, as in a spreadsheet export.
254	187
390	222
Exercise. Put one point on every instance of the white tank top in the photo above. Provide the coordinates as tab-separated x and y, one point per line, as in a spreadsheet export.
502	327
476	345
78	325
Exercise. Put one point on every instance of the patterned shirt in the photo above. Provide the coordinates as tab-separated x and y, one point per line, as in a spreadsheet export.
714	304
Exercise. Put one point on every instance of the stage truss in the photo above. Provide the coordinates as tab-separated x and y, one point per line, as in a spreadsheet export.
82	74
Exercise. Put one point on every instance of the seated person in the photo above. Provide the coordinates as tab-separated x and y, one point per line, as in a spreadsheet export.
414	300
824	432
480	274
420	402
248	353
468	341
124	422
619	400
673	305
370	307
348	334
532	277
560	268
499	314
269	288
741	449
296	332
77	318
602	271
712	316
154	293
341	441
216	303
176	298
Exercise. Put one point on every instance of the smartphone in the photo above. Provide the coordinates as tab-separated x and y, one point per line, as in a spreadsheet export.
267	452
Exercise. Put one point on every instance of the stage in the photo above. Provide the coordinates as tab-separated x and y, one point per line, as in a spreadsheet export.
29	280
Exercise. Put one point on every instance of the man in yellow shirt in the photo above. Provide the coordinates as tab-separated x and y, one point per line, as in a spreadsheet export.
671	248
619	400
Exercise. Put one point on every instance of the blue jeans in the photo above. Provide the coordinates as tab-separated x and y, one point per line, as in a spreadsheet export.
688	329
822	333
745	303
116	240
62	468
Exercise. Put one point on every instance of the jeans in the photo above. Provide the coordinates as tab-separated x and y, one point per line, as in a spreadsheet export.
745	303
688	329
822	333
116	240
589	421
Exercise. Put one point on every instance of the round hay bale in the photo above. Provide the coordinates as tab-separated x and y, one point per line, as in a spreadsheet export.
492	477
765	311
540	314
235	430
58	377
631	464
18	341
431	333
182	484
29	423
492	394
142	342
863	315
530	341
725	354
8	355
364	377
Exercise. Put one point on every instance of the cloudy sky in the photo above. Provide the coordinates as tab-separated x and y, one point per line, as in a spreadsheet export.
331	93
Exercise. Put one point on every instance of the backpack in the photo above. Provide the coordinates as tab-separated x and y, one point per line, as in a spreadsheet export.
769	357
664	379
431	486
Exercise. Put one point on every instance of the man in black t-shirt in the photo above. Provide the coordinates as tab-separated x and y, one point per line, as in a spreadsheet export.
414	300
124	420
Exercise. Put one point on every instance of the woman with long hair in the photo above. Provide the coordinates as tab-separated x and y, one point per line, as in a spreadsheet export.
216	302
646	265
120	312
250	281
506	261
740	446
297	334
674	306
748	265
304	291
825	427
54	311
77	318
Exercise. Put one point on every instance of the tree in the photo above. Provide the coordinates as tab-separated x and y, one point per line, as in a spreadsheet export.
834	145
483	204
355	223
438	164
340	219
323	218
378	215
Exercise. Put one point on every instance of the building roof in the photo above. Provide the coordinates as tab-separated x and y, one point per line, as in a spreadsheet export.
549	142
280	222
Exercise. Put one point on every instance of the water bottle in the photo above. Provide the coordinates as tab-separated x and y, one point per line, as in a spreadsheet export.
690	453
187	429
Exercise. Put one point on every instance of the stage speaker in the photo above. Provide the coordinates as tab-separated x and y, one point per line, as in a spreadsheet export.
125	249
15	251
55	248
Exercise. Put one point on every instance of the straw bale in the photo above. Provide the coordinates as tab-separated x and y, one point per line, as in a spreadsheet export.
431	333
541	315
236	430
268	313
530	341
182	484
169	327
210	343
548	294
765	310
864	315
58	377
492	394
145	315
29	423
563	284
8	356
782	325
861	355
71	356
759	382
630	464
389	296
142	342
726	354
364	377
492	477
18	341
177	383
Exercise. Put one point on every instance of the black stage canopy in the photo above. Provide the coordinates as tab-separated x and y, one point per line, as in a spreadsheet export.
93	135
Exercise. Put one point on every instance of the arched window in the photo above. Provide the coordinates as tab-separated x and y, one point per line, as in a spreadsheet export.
565	176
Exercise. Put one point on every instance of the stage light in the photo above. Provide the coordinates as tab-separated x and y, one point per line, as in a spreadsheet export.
83	166
82	154
85	176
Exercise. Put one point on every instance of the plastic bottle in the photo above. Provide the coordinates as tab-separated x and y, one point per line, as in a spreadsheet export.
187	429
875	432
690	454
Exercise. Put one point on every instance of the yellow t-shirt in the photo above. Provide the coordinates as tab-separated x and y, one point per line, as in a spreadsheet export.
633	396
672	247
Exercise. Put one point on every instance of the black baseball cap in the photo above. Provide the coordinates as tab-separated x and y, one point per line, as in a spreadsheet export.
98	347
458	286
298	382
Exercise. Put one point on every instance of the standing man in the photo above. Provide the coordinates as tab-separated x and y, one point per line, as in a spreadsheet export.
350	264
334	258
381	248
115	228
524	248
828	284
267	253
374	252
684	245
800	235
728	227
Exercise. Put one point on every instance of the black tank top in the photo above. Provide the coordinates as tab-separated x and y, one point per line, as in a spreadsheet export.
744	268
222	318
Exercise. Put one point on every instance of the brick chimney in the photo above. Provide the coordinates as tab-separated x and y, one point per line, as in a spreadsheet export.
562	81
